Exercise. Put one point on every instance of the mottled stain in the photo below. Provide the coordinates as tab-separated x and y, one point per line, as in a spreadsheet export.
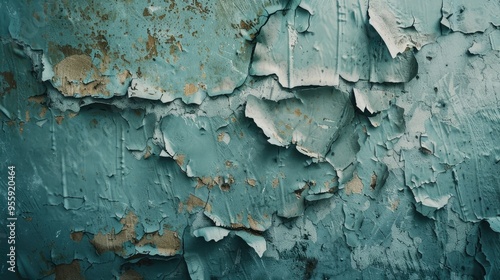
76	236
8	83
69	271
190	89
354	185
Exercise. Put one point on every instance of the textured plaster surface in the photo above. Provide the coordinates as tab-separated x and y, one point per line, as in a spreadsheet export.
251	139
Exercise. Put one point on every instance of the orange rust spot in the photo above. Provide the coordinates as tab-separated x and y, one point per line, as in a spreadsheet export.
297	112
190	89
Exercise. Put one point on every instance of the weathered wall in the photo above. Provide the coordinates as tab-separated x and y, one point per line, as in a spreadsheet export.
251	139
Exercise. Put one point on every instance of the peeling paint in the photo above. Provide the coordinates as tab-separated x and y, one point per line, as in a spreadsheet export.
251	139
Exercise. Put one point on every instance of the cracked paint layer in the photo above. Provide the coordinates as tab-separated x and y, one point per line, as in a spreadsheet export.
251	140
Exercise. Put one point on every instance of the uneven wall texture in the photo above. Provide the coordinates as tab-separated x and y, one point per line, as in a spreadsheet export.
250	139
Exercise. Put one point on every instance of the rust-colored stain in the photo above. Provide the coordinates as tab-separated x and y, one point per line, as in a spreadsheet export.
190	89
69	271
146	12
27	116
76	236
9	79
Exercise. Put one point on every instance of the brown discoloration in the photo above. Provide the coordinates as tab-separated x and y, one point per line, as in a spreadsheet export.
59	119
27	116
146	12
76	236
298	193
124	76
225	187
167	244
180	159
69	271
394	205
205	181
373	181
67	50
276	182
247	25
194	202
43	112
9	79
114	242
151	47
354	186
40	99
131	275
254	225
72	74
147	154
190	89
297	112
21	127
251	182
